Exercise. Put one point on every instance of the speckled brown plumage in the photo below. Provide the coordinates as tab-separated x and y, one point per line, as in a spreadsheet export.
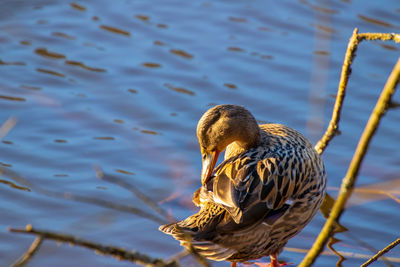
267	189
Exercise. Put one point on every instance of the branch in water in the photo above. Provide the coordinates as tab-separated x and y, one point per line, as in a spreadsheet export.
362	147
24	259
119	253
380	253
356	38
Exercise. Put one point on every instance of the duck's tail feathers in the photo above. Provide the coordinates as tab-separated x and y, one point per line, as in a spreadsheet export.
168	229
205	248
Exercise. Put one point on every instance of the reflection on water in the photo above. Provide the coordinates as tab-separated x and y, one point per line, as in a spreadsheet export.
179	89
375	21
115	30
45	53
83	66
122	86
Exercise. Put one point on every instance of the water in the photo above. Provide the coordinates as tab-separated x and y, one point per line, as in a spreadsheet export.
121	86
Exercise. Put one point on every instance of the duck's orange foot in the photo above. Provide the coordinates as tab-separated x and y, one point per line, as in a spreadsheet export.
259	264
274	262
270	264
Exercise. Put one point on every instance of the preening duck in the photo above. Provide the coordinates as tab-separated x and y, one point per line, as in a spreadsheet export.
269	186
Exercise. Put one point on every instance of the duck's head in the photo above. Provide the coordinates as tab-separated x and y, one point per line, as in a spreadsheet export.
220	126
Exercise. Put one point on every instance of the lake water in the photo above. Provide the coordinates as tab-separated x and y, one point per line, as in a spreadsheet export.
121	85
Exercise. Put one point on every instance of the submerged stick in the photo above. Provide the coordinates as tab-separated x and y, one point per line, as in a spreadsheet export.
24	259
352	172
7	126
124	184
119	253
83	199
380	253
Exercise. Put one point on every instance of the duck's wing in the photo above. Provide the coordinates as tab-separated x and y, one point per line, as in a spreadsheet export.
257	179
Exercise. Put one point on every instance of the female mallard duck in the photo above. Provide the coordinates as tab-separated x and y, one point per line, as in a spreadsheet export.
267	189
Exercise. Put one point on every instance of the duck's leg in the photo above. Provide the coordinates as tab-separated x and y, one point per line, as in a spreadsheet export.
233	264
274	260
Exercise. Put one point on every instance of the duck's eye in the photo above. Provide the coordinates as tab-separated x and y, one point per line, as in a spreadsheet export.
204	156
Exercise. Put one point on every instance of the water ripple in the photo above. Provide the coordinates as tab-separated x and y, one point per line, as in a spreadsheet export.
115	30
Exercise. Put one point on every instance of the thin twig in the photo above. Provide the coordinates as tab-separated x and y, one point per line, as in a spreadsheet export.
380	253
119	253
24	259
333	127
107	204
348	255
352	172
355	39
368	36
176	257
124	184
388	261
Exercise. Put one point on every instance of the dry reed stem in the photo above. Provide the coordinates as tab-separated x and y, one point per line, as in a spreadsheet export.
27	256
346	254
362	147
119	253
380	253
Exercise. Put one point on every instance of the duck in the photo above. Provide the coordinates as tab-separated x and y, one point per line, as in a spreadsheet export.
269	186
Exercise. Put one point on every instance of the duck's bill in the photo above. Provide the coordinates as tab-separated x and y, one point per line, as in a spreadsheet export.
208	166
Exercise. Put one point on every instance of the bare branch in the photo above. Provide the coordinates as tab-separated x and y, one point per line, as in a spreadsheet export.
147	200
352	172
333	127
24	259
380	253
119	253
355	39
